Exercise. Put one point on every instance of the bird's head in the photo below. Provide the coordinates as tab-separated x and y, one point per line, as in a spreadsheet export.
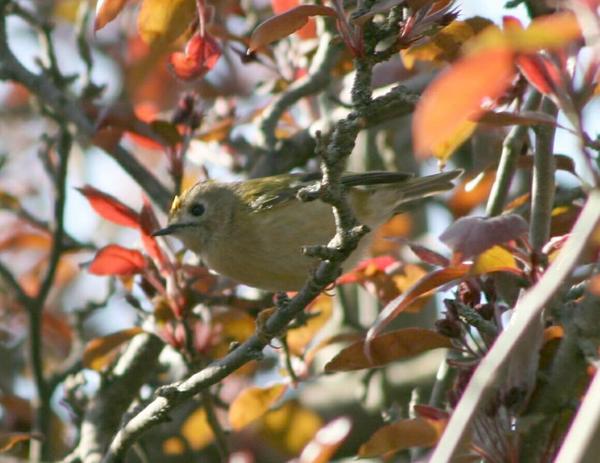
200	214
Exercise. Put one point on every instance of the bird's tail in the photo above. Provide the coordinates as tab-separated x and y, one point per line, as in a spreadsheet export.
418	188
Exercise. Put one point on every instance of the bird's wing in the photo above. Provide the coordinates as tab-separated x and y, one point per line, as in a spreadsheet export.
266	193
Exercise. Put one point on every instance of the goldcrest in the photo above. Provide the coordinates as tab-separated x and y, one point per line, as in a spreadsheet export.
253	231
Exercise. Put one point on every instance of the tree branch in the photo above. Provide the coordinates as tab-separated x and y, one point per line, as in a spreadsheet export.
119	387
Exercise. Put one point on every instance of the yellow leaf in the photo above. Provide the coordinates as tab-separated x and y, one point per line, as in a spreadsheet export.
162	21
495	259
196	430
546	32
443	150
291	427
97	353
444	46
252	403
299	338
173	446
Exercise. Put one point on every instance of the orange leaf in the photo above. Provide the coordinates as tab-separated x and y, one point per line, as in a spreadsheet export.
106	11
326	441
26	240
117	260
457	96
110	208
97	352
10	439
404	434
284	24
387	348
252	403
421	288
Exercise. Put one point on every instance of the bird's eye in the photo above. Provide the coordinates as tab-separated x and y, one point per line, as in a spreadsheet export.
197	209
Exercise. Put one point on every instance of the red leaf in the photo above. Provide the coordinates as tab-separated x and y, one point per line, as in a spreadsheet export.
148	225
110	208
200	56
421	288
117	260
359	272
540	72
457	95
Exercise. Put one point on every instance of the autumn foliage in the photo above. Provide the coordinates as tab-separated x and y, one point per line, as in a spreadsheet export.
103	323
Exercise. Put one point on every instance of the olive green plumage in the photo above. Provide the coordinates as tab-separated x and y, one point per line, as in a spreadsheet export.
253	231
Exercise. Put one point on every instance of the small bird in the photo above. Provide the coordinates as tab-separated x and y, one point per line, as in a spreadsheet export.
253	231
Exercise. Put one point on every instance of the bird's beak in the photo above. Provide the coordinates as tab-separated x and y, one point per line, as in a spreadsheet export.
168	230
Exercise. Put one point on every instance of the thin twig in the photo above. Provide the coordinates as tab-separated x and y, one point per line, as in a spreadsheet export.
38	450
542	190
215	426
511	150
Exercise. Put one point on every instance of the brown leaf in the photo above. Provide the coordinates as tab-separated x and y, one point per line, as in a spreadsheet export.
420	289
470	236
117	260
97	352
252	403
326	441
284	24
503	118
404	434
457	95
387	348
